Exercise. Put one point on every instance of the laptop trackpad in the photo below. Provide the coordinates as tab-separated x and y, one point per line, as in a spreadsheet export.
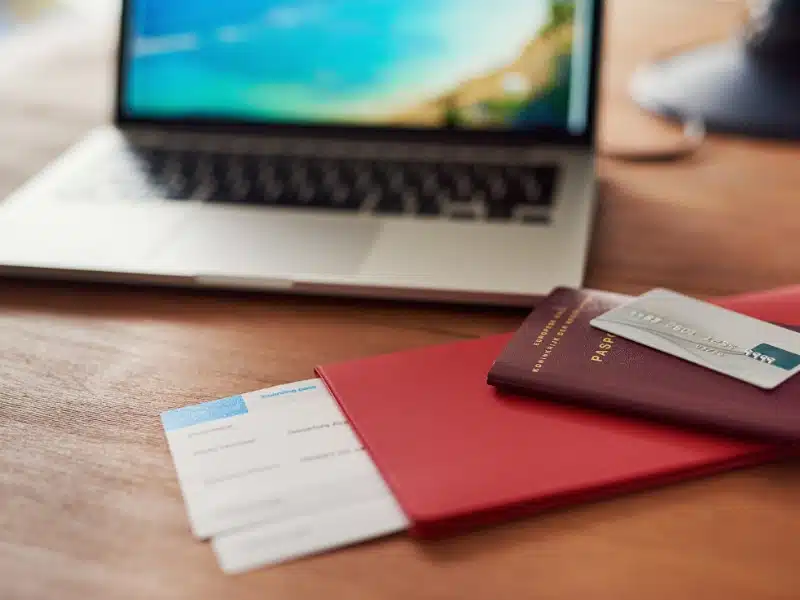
244	242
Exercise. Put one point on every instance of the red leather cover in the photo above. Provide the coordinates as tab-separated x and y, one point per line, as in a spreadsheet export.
558	354
458	455
778	306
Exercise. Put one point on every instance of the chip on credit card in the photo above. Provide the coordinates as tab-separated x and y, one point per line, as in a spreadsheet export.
758	353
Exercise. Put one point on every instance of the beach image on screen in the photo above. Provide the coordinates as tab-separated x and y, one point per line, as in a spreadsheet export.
471	64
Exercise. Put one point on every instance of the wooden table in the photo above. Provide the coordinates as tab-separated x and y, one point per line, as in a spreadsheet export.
89	504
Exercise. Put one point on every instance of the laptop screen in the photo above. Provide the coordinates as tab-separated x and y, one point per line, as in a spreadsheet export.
468	65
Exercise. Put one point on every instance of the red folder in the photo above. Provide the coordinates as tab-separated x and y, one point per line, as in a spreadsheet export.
458	456
779	306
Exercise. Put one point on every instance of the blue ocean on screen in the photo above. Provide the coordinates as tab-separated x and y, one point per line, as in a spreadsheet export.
401	62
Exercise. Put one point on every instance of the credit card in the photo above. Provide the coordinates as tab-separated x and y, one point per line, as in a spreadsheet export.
758	353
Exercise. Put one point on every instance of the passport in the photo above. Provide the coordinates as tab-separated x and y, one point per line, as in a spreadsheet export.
558	355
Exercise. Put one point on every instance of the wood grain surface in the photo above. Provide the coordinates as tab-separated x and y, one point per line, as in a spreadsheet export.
89	503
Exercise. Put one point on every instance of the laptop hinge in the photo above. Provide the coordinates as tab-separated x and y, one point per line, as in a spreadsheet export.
345	149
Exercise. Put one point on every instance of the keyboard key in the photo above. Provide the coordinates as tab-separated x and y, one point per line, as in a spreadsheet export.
514	191
261	195
311	197
371	200
429	206
252	166
499	205
186	164
343	197
177	189
150	159
547	178
219	169
465	211
391	202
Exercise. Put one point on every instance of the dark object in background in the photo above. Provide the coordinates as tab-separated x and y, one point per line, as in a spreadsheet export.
748	85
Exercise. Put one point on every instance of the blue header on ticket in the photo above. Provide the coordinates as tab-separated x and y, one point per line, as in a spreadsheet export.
203	413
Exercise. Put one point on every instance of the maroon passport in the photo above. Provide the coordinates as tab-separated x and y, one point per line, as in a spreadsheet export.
557	354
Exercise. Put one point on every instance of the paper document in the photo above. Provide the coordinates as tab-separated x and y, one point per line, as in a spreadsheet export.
339	526
276	474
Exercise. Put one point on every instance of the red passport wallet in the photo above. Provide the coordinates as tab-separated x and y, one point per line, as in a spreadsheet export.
458	455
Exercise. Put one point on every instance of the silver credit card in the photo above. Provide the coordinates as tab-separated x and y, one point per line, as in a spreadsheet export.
759	353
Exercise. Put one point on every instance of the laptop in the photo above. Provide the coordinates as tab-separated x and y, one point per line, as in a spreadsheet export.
419	149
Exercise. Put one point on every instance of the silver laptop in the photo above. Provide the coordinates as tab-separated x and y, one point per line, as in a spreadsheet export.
424	149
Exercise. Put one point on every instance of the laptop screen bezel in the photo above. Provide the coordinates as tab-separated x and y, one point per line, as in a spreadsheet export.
541	135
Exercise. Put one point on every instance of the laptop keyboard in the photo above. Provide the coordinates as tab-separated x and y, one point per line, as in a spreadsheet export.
382	187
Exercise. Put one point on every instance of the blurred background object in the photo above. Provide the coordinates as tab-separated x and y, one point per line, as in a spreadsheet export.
31	30
14	13
748	84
